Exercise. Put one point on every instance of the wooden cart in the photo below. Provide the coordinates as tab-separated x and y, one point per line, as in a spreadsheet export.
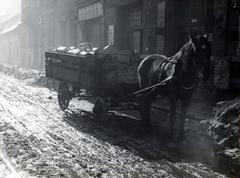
107	77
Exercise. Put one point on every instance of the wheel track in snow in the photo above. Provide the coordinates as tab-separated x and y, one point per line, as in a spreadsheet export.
24	98
8	164
51	140
21	97
25	129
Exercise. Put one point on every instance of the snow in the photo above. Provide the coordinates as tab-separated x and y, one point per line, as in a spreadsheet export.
224	129
234	153
10	24
41	140
32	77
10	28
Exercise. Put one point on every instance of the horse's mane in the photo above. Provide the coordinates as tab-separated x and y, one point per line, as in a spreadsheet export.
184	52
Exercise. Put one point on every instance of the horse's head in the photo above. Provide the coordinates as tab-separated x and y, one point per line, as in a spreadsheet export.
202	54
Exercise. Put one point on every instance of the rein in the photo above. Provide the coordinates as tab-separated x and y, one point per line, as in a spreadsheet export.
163	82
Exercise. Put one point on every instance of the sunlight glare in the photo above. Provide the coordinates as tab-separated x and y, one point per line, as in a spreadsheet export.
10	7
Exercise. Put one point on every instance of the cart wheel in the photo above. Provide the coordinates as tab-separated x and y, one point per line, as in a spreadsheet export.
99	109
64	96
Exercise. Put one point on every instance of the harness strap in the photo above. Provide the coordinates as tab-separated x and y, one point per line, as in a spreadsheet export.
167	60
154	86
148	88
160	68
190	87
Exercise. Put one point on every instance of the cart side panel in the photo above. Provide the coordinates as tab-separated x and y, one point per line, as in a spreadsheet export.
77	70
87	73
65	72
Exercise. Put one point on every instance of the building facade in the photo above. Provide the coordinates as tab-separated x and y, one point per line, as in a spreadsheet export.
163	26
141	26
51	24
10	46
90	21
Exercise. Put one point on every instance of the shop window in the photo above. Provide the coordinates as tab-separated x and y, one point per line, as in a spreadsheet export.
135	17
136	41
160	44
161	14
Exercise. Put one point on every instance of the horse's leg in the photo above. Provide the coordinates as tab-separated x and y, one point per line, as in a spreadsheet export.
173	103
145	110
183	115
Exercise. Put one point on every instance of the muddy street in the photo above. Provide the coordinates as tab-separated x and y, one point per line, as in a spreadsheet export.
39	140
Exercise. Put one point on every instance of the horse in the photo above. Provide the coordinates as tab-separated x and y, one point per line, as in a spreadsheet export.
189	66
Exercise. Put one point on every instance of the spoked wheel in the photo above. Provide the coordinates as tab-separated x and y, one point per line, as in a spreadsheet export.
64	96
99	109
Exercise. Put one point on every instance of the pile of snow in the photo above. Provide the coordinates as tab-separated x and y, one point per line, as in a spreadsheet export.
224	129
33	77
82	49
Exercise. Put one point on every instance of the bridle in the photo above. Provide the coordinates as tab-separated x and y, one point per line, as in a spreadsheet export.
198	75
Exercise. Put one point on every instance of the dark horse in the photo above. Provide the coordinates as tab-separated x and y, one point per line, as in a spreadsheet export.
186	68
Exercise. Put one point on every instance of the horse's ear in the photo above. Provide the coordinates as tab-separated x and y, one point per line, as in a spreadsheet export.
192	38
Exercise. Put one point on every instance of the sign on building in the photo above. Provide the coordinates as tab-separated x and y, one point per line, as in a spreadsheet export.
111	34
90	12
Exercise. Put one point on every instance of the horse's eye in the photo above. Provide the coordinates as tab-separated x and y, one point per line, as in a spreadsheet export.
203	46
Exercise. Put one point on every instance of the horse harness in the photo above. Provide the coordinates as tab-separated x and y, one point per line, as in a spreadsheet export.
170	76
166	66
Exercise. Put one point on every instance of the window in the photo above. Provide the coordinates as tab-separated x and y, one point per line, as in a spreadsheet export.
111	34
135	17
136	41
